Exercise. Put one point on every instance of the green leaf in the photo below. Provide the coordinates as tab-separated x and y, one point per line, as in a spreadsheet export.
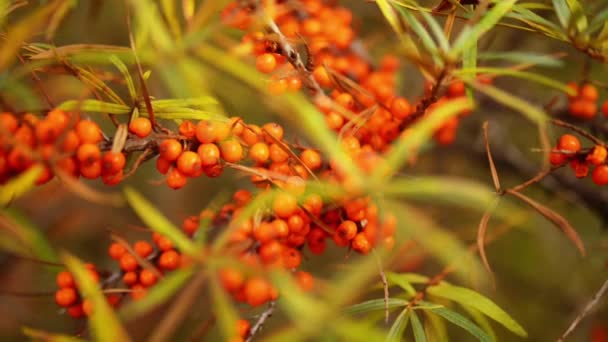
440	37
19	185
20	32
469	61
435	327
30	235
120	65
94	106
420	132
158	294
403	280
528	76
158	222
224	311
538	23
522	57
427	41
398	327
563	12
202	102
419	335
463	322
375	304
598	21
103	322
470	35
39	335
578	15
475	300
481	320
390	14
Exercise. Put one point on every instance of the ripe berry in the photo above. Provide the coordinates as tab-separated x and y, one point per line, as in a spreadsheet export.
257	291
231	151
112	162
130	278
581	169
361	243
597	156
88	154
164	243
65	279
140	126
189	163
138	292
143	248
176	179
557	158
291	258
569	143
232	279
75	311
605	108
128	263
347	230
116	251
600	175
170	149
284	204
305	280
163	165
88	132
589	92
456	89
66	296
259	152
169	260
209	154
8	122
311	158
113	179
187	129
147	278
266	63
242	328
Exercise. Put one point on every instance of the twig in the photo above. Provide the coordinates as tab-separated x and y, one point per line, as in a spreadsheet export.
578	130
586	310
260	322
384	285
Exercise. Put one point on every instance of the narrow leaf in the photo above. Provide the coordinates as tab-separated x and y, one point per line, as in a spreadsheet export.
39	335
19	185
475	300
419	335
463	322
94	106
374	305
398	327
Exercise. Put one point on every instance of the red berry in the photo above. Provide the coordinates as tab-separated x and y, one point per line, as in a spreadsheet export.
600	175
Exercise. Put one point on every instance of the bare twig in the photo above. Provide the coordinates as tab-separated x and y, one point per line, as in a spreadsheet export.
261	320
384	285
586	310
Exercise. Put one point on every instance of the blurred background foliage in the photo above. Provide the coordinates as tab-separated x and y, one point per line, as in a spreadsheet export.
541	279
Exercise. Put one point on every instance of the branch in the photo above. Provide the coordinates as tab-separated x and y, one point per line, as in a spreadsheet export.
586	310
260	323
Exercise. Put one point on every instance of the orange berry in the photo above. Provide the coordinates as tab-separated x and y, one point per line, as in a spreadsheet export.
209	131
189	163
128	263
232	279
294	83
87	307
242	328
273	129
270	251
143	248
557	158
65	279
589	92
187	129
88	132
361	243
112	162
71	142
347	230
66	296
257	291
8	123
266	63
569	143
600	175
321	75
176	179
88	153
209	154
573	86
265	232
129	278
113	179
605	108
140	126
147	278
241	197
577	107
164	243
456	89
291	258
311	158
191	224
400	108
75	311
277	154
259	152
598	155
170	149
284	204
46	131
581	169
169	260
116	251
231	151
91	171
251	134
163	165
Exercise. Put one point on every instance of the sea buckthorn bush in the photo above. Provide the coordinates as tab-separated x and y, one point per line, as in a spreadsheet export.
303	170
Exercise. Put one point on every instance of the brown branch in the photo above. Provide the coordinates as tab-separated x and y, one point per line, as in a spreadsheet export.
260	322
586	310
578	130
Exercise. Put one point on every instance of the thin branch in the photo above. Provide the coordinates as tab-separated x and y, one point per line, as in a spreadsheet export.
586	310
260	322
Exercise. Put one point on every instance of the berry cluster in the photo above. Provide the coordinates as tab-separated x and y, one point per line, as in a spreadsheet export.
568	149
67	295
58	141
